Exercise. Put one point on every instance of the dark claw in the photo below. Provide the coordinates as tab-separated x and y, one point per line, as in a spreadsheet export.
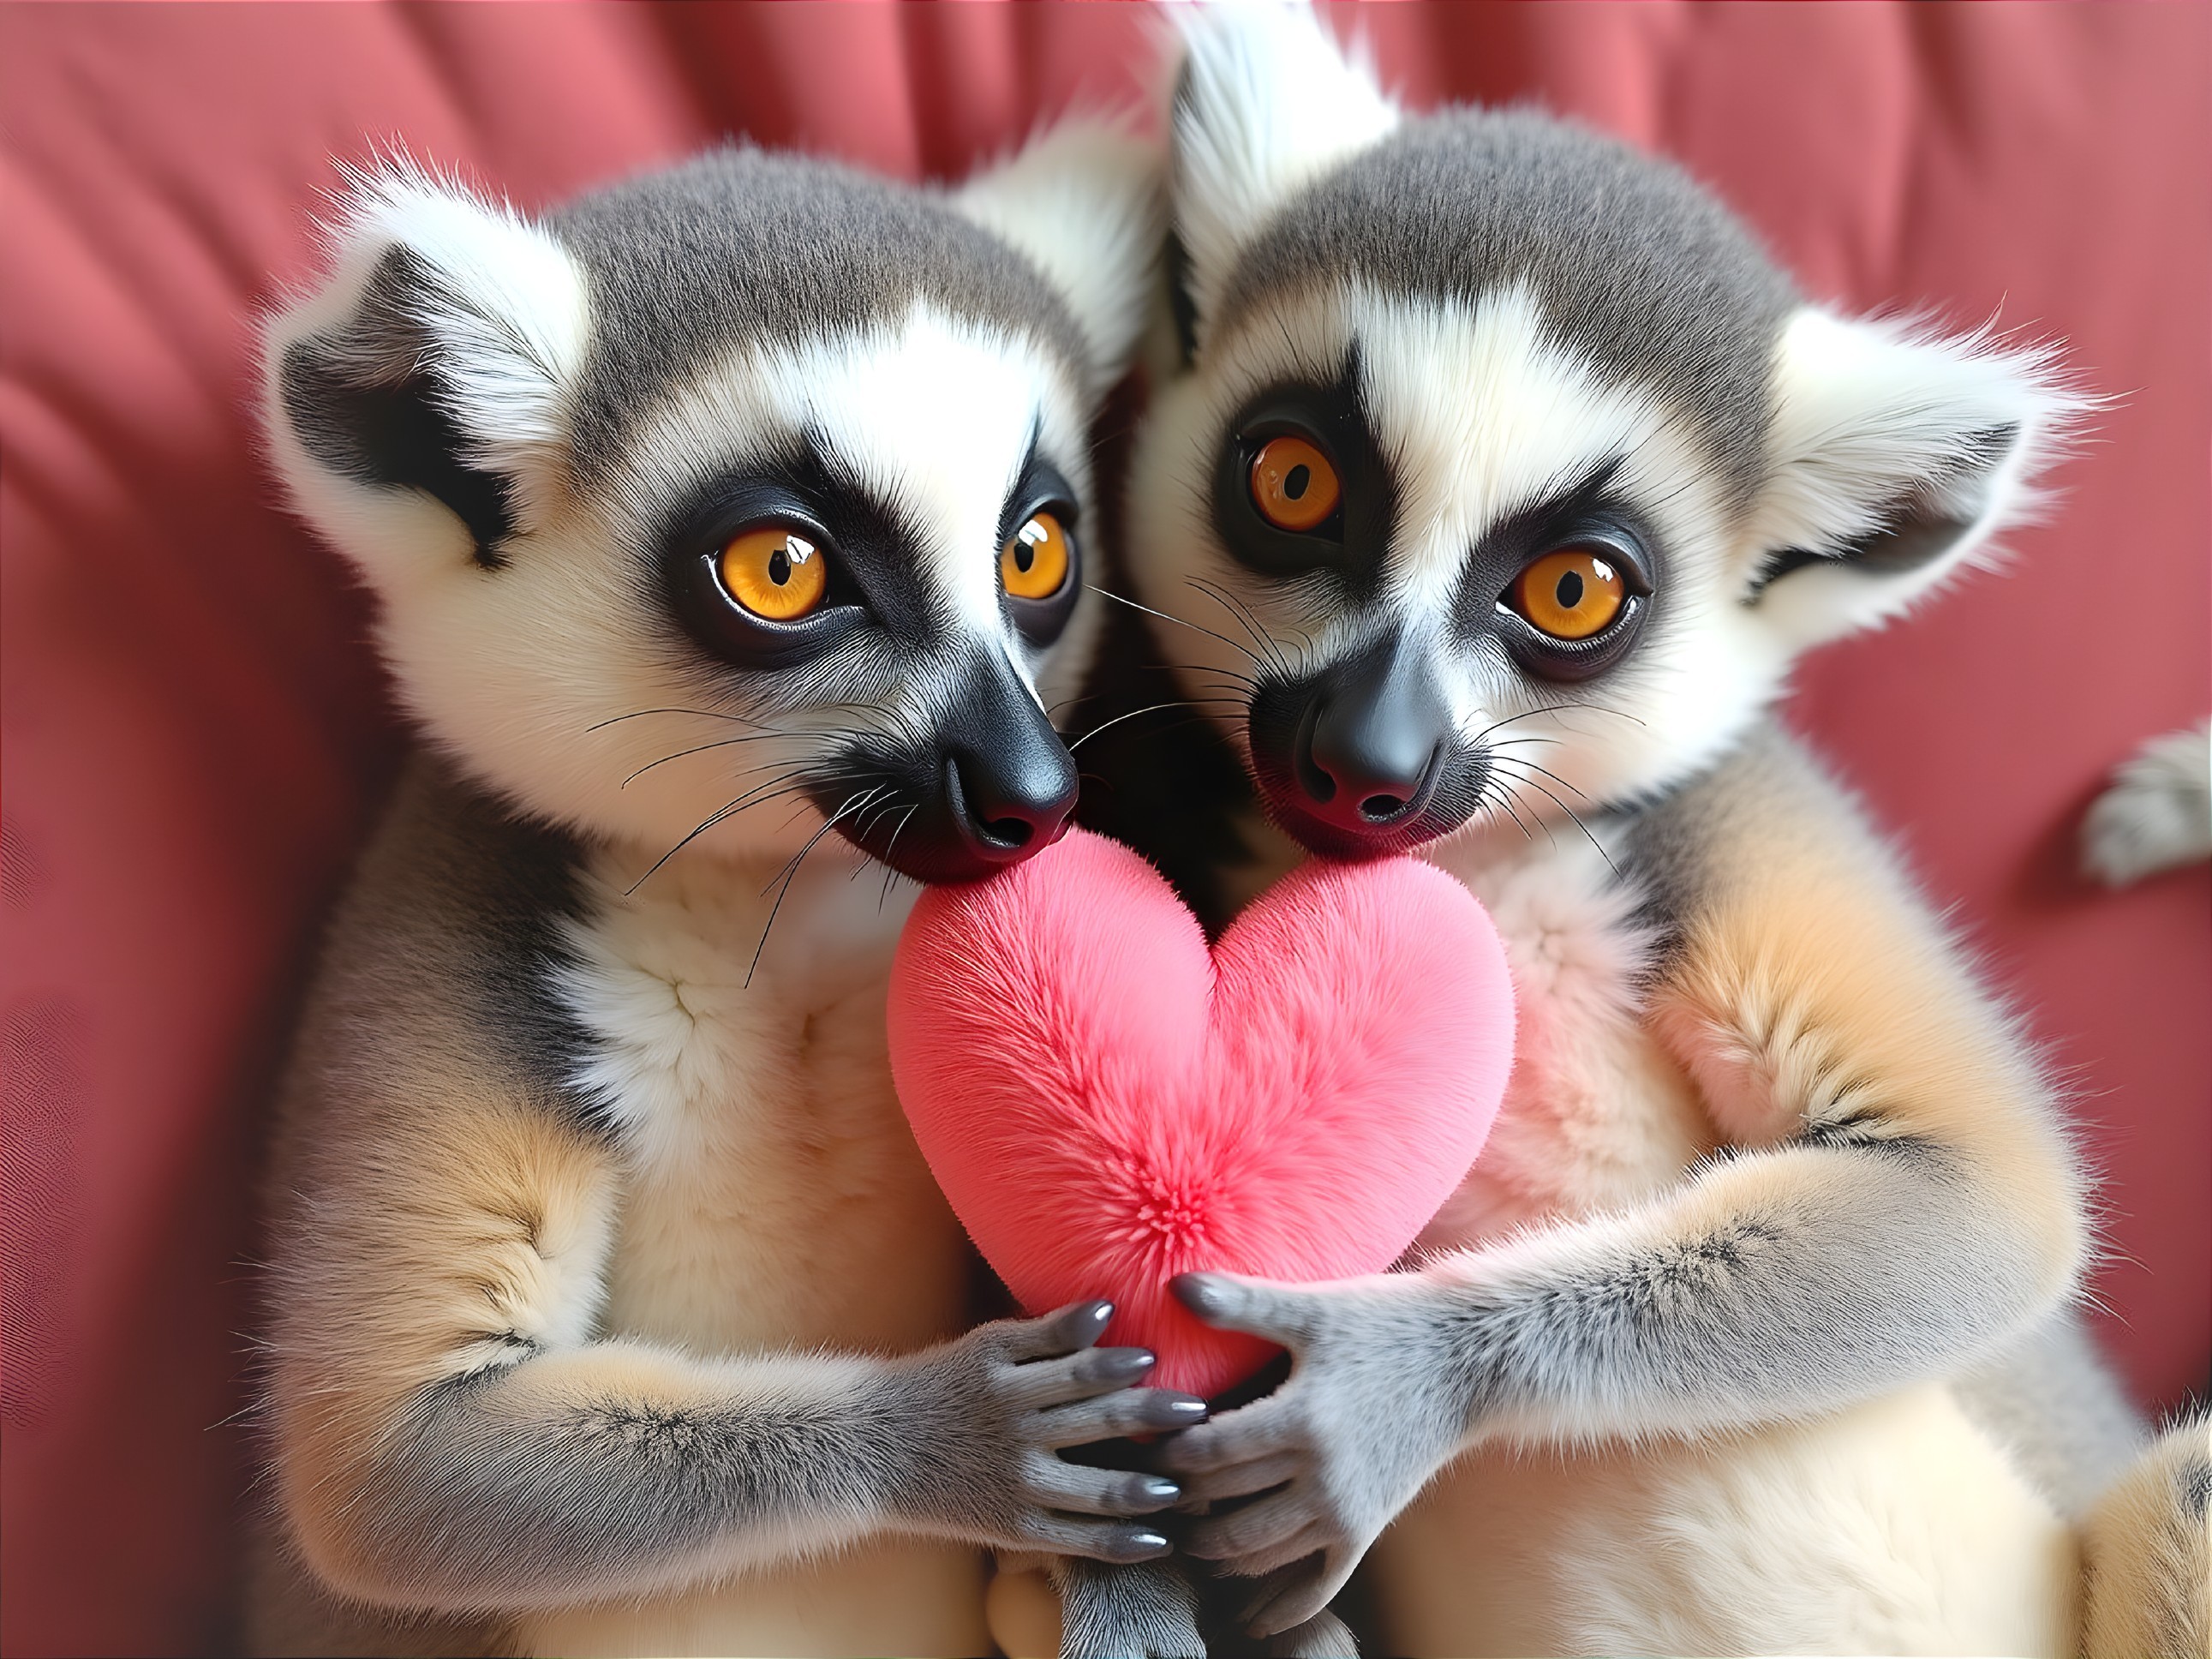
1178	1411
1116	1364
1160	1491
1199	1293
1141	1543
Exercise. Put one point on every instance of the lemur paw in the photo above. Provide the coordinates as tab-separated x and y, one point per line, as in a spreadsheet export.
1147	1611
2157	813
980	1422
1305	1479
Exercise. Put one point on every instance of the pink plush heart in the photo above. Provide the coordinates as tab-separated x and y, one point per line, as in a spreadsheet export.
1107	1103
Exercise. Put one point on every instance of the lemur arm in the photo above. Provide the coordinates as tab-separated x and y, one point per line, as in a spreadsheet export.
450	1429
1896	1195
449	1438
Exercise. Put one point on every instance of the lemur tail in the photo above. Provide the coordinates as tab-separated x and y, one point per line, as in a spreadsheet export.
2148	1552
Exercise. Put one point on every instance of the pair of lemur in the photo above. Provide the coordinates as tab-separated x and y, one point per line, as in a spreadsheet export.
727	528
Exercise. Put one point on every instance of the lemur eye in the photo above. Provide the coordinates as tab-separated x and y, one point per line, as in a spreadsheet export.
1570	594
1034	564
774	571
1293	484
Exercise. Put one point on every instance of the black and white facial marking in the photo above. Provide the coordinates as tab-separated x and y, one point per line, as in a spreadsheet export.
736	502
1507	475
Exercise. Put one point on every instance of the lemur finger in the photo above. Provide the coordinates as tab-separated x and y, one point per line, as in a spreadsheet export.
1324	1636
1078	1375
1309	1541
1063	1331
1242	1480
1278	1313
1295	1596
1099	1540
1085	1491
1109	1417
1252	1531
1259	1430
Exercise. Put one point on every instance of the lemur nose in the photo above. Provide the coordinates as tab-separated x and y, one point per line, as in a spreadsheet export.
1369	747
1008	782
1016	800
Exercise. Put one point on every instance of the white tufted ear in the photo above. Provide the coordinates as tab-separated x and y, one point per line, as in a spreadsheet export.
428	367
1082	201
1267	101
1895	455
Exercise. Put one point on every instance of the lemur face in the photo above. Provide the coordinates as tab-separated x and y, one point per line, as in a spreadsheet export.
1508	476
737	502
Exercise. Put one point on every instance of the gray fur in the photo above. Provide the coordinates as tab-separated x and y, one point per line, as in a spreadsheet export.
458	890
1636	266
489	1496
741	246
1142	1610
2049	1400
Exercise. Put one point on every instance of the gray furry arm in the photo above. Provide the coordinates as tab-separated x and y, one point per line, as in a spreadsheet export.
1895	1195
618	1468
449	1431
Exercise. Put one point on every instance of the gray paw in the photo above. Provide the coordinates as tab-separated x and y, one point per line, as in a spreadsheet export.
974	1429
1304	1480
1148	1611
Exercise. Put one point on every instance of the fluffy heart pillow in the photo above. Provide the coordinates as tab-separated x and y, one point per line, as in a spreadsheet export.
1107	1103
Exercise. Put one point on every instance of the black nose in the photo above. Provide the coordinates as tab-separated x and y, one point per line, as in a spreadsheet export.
1013	801
1006	780
1372	738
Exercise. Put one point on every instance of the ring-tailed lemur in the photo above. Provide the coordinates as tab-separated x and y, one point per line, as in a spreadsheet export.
1507	478
614	1309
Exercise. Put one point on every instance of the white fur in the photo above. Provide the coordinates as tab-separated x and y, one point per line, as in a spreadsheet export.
1481	411
509	329
1896	1528
1865	411
1276	104
756	1110
1082	201
517	672
1596	1116
2157	813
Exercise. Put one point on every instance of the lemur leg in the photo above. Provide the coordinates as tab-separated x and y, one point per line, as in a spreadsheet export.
2148	1545
450	1438
1900	1198
1147	1610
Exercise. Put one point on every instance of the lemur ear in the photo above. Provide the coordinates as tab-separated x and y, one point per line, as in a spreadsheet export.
1082	201
1265	102
1894	457
429	367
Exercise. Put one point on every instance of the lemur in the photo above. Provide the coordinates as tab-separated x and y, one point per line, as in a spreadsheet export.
1503	480
725	531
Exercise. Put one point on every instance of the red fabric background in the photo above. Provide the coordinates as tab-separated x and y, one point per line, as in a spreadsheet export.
195	732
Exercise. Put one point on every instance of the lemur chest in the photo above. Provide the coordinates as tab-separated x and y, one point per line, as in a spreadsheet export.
1597	1115
775	1196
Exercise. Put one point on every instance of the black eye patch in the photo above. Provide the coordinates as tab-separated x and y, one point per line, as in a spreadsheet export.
1042	487
1348	542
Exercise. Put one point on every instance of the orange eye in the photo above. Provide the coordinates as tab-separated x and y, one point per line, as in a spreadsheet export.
1570	594
1293	484
774	571
1034	564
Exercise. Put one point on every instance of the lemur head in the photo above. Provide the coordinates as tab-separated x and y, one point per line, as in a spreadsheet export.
1505	462
734	499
